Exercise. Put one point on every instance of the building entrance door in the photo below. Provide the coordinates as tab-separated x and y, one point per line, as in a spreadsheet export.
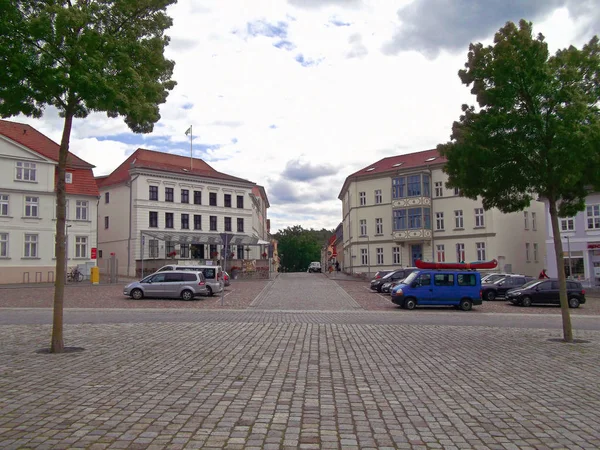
416	251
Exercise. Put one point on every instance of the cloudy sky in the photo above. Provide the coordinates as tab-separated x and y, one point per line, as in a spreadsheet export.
296	95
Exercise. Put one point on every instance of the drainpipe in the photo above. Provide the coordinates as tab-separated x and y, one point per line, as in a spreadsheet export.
130	184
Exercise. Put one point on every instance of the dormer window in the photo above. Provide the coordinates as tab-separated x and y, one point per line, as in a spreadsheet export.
69	178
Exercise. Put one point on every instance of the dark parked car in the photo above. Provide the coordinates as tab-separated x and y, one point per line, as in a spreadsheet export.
492	277
546	291
394	275
498	289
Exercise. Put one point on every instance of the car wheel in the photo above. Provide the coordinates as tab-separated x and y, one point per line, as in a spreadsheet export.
379	289
187	295
137	294
209	291
526	301
490	295
573	302
410	303
466	304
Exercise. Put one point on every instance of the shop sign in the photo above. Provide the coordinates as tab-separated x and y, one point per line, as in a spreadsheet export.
594	245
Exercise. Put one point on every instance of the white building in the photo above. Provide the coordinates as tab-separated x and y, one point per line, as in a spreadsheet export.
398	210
28	172
177	208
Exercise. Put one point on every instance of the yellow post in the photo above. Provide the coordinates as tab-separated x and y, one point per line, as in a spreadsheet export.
95	275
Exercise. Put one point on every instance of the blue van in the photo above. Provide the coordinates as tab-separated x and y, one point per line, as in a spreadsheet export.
458	288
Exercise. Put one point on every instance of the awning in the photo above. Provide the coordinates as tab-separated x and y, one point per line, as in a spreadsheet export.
182	237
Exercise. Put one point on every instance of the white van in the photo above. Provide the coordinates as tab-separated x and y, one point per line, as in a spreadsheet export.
213	275
314	266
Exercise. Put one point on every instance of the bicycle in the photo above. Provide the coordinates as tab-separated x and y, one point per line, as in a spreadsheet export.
74	275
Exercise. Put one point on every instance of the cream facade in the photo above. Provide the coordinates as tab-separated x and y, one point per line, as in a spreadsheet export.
393	218
28	218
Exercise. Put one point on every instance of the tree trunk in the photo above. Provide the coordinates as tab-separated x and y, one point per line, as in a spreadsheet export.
562	279
57	344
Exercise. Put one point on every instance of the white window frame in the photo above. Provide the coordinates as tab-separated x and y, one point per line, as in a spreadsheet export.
378	197
460	252
567	224
364	257
459	221
379	226
439	189
81	245
4	203
457	191
68	177
533	221
153	248
439	221
526	219
26	171
527	252
592	216
106	222
363	227
396	255
535	252
480	247
479	218
81	210
440	253
30	245
4	245
32	206
379	251
362	198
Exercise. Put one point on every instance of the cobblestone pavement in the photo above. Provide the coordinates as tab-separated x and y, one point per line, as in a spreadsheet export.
298	380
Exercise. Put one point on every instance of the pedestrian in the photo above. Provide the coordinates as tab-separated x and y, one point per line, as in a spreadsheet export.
543	274
337	266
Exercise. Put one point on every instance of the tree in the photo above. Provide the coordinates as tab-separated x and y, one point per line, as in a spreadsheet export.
535	134
300	247
83	56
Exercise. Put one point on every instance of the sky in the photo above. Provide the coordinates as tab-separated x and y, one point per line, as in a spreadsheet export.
296	95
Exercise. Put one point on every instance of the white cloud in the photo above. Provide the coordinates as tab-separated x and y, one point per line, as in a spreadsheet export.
254	99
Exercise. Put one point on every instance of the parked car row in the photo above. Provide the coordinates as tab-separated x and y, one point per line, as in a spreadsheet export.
410	287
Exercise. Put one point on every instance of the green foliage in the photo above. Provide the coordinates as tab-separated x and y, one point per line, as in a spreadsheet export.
300	247
537	128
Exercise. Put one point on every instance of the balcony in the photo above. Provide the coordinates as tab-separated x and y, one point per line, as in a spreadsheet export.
418	234
408	202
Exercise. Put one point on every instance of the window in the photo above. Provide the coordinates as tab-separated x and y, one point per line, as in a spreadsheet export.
184	251
458	219
439	221
533	221
212	252
68	178
379	226
363	198
81	246
31	248
427	218
240	225
197	197
3	205
25	171
363	227
31	206
227	223
592	213
441	253
106	197
378	197
527	255
457	191
169	220
379	252
185	196
460	252
466	279
169	248
426	190
81	210
169	194
414	218
153	223
185	221
213	223
480	247
399	187
227	200
212	199
197	222
439	189
153	193
443	279
364	259
535	252
399	219
567	224
240	201
3	245
153	248
106	222
526	219
424	279
479	218
396	255
414	186
240	252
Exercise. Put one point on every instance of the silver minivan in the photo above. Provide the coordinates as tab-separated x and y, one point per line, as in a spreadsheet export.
175	284
213	275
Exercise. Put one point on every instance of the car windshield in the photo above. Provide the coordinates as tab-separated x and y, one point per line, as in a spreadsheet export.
531	284
412	277
493	278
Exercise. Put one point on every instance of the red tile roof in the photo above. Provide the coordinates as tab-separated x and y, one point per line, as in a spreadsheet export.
165	162
392	164
83	177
